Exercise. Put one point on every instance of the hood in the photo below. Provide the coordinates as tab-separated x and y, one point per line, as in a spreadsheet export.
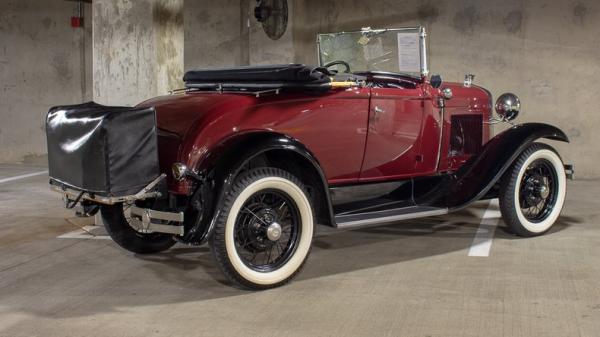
473	97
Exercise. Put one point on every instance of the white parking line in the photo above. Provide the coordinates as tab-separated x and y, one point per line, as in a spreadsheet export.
482	243
23	176
84	233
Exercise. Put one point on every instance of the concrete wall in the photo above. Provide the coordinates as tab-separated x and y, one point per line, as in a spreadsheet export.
262	49
43	62
544	51
215	36
228	35
138	49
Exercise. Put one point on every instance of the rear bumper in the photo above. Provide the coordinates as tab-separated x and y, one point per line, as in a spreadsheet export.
143	220
72	196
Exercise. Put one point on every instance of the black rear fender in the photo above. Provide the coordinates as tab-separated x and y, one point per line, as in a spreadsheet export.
252	150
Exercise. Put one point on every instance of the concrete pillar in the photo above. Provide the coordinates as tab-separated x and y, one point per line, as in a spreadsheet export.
137	49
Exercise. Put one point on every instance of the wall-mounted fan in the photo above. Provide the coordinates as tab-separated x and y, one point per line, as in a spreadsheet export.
273	15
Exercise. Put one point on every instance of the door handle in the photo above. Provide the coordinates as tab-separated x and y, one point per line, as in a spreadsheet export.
375	116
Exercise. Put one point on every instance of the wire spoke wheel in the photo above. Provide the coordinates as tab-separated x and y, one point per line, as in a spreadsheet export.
263	235
267	230
538	192
533	190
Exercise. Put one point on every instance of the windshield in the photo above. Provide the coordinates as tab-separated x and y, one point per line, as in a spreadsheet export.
389	50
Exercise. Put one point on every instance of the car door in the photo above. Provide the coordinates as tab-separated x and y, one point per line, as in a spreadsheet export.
393	145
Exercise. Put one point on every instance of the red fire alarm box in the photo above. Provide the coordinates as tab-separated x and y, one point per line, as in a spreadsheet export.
76	22
77	15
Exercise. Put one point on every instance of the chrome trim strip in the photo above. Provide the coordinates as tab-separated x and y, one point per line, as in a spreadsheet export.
387	219
442	105
423	40
319	58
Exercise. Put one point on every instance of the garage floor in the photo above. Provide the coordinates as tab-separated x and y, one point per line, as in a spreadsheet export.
412	279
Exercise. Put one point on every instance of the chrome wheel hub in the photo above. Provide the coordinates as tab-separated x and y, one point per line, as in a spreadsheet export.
538	187
544	191
274	231
267	230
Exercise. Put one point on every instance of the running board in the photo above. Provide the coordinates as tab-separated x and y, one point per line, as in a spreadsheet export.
387	216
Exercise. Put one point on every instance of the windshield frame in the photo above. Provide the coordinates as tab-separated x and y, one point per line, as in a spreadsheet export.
424	69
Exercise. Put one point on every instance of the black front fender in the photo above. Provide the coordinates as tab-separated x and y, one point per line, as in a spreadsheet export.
481	172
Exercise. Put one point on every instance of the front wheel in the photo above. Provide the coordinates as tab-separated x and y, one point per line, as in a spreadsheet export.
533	191
263	234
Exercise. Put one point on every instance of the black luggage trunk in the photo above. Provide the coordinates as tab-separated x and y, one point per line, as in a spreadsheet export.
107	151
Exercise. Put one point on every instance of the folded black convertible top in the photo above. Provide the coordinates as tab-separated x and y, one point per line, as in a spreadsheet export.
280	73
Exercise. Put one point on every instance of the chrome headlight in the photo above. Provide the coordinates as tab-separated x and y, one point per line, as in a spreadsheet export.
179	170
508	106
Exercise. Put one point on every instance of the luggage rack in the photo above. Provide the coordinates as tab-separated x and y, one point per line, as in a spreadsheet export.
73	196
260	89
262	80
221	90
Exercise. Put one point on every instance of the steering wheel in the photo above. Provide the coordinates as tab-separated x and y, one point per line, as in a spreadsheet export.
335	63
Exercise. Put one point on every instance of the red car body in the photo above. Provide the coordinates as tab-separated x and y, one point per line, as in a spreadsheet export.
365	134
255	156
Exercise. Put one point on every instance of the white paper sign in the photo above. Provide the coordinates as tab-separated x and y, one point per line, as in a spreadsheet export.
409	55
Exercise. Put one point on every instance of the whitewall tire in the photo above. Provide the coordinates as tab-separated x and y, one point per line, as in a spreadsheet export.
264	231
533	190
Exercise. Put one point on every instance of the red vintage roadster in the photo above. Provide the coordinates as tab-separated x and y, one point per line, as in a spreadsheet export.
249	159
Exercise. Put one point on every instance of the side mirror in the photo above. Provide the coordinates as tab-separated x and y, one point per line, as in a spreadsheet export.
436	81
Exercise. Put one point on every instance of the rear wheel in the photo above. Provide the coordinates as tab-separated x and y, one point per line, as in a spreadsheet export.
263	235
533	191
116	222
